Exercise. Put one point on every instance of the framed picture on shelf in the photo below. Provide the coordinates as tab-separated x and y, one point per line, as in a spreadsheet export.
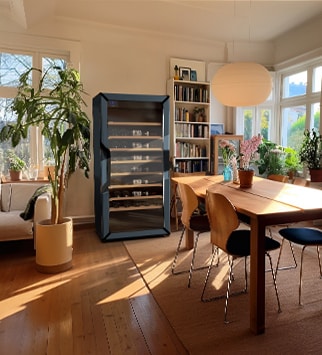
193	75
184	73
216	128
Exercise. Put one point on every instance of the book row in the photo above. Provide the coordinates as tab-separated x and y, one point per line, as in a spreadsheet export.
190	150
190	93
187	130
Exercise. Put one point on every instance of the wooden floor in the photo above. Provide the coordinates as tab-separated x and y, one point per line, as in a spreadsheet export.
100	306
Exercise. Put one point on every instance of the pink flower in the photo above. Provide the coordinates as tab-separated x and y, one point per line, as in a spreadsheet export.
248	150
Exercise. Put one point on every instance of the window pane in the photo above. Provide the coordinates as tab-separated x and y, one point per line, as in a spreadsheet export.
248	123
315	116
293	124
295	85
22	150
317	77
12	66
52	76
265	116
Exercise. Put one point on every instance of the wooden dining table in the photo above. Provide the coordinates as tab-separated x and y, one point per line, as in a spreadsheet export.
266	203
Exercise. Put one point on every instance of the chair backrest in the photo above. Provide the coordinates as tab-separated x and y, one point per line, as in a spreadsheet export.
277	177
222	217
300	181
189	202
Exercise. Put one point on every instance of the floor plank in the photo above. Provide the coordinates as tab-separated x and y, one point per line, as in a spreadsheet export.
100	306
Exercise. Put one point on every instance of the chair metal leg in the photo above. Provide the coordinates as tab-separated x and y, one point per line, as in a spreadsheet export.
193	259
279	257
274	280
191	269
230	279
319	257
207	276
231	261
174	263
301	269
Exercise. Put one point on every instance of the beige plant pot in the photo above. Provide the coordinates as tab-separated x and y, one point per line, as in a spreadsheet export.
54	246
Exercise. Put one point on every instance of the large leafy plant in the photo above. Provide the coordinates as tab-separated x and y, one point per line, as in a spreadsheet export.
59	114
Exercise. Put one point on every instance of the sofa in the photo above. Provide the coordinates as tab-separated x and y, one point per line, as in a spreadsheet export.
14	199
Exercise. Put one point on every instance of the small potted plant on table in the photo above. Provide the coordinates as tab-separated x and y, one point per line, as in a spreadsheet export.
248	149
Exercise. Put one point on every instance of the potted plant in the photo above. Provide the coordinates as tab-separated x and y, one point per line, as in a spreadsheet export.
310	153
248	151
16	166
59	113
292	162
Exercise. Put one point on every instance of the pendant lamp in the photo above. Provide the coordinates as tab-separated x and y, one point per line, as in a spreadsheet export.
242	84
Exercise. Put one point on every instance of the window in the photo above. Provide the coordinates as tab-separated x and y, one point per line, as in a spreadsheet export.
295	84
300	103
253	120
33	150
283	118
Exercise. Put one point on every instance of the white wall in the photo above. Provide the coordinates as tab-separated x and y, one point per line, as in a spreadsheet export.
299	42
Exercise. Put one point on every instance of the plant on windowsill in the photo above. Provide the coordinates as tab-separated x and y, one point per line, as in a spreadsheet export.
59	112
310	153
16	166
292	162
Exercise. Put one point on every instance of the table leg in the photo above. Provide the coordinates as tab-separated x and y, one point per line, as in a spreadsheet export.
189	235
257	277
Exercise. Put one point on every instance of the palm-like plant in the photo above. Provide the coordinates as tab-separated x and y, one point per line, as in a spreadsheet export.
59	114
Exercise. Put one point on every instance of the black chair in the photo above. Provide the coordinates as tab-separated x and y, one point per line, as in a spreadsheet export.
235	242
304	236
191	218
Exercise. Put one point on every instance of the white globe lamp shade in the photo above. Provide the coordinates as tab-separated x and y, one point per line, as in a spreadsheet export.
242	84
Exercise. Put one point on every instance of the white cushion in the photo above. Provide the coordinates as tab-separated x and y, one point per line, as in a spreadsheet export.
5	197
12	226
16	196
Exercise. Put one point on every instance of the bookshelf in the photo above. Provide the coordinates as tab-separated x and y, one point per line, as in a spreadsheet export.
189	125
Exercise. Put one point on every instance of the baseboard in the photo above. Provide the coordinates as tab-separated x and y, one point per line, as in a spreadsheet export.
80	222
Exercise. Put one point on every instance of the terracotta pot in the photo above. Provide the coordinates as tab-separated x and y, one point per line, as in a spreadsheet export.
15	175
316	175
245	178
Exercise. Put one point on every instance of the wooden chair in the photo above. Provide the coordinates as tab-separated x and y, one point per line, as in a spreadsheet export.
191	220
277	177
301	182
235	242
175	198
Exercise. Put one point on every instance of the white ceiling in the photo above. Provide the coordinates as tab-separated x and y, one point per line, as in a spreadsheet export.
253	20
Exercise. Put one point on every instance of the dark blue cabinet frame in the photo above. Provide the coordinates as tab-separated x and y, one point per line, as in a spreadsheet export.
132	195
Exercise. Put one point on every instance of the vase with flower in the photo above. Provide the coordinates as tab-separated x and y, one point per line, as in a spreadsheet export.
228	151
248	151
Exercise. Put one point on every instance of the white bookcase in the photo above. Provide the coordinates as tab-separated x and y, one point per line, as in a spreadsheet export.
189	132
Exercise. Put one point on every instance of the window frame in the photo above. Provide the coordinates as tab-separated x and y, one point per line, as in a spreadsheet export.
36	142
278	103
